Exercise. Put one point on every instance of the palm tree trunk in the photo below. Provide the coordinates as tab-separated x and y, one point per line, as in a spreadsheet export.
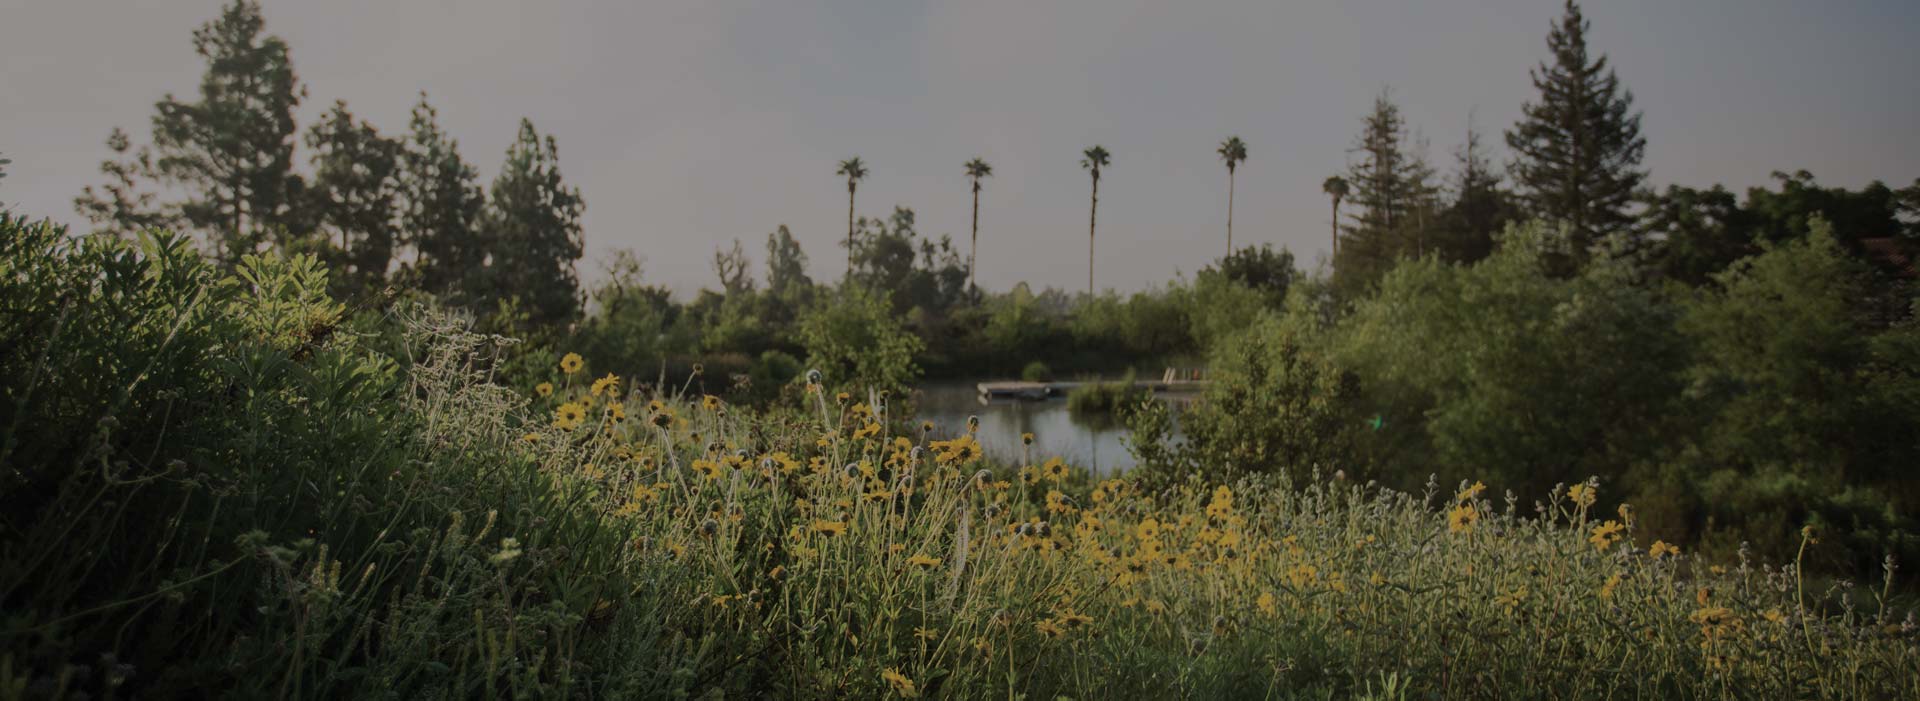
1336	226
973	278
1093	215
849	230
1229	211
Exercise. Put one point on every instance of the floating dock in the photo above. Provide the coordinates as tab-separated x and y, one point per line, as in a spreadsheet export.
1174	380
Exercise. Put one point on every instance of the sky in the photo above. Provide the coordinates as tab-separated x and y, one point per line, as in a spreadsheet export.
688	125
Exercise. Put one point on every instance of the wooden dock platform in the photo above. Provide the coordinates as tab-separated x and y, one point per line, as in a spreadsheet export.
1172	380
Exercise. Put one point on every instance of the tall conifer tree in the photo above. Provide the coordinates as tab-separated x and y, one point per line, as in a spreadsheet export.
1577	150
232	149
356	187
1389	187
1481	206
532	231
443	202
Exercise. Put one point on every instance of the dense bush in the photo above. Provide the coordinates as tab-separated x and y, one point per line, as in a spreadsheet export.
214	485
855	339
1099	401
1274	405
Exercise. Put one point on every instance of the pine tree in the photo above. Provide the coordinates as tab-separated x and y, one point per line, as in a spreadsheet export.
233	148
1480	208
355	193
1577	150
122	207
532	231
1417	235
443	202
1390	188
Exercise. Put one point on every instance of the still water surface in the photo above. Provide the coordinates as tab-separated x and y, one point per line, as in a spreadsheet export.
1089	442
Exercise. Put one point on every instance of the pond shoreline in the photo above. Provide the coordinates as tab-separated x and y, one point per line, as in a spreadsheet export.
1096	443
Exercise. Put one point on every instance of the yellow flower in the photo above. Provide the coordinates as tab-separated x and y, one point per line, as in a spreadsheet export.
644	494
958	451
571	363
1048	628
710	403
609	386
1660	549
531	437
1266	603
777	571
926	633
1070	619
868	431
923	561
1055	469
900	683
1302	575
784	462
569	416
1613	582
830	528
1026	438
1222	504
616	412
1461	518
1716	622
544	389
1582	495
1147	530
707	468
1606	534
1471	492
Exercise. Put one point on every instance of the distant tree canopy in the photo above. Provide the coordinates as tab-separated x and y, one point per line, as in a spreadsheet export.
376	208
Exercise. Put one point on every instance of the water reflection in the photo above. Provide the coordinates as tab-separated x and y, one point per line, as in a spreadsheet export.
1090	442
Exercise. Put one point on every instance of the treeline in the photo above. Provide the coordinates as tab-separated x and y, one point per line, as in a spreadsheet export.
906	291
383	212
1736	367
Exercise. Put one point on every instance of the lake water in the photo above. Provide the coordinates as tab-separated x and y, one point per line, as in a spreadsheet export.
1089	442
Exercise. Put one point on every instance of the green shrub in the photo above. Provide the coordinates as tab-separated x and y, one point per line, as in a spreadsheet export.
1037	371
211	483
855	341
1274	404
1107	401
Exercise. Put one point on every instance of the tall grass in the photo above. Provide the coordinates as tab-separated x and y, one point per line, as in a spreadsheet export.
228	485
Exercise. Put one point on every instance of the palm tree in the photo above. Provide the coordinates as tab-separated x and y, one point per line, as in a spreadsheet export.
1234	152
1093	160
855	170
976	169
1335	186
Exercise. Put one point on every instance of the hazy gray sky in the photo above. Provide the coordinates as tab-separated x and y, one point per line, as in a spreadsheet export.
689	124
